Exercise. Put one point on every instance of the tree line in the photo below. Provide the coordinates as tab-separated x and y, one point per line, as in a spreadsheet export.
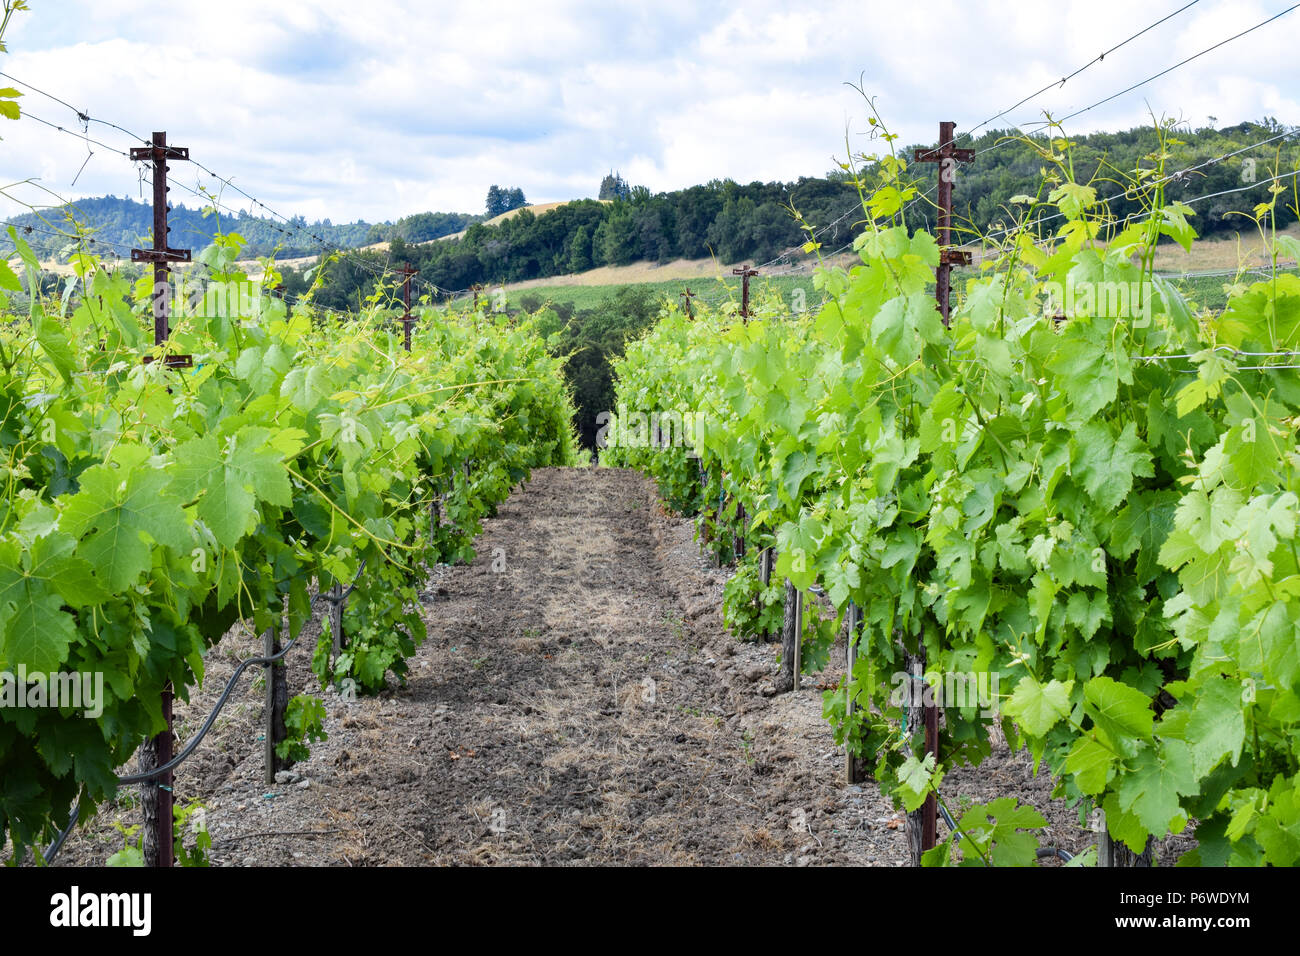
755	222
123	222
731	221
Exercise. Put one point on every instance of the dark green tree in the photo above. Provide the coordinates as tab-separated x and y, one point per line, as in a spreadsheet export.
620	242
614	187
579	258
501	200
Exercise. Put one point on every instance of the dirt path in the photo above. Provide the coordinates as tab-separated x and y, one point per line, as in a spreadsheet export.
581	705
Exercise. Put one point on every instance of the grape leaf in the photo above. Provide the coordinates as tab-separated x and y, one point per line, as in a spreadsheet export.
1090	762
1108	464
118	515
1036	707
1152	789
1120	711
1217	727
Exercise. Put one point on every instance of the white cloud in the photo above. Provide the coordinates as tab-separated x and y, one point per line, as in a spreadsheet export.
381	109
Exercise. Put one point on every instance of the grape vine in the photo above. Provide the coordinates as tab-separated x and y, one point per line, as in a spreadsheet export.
148	509
1092	496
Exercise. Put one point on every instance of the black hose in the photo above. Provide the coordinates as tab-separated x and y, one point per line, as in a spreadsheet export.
225	695
1044	852
212	717
338	599
57	845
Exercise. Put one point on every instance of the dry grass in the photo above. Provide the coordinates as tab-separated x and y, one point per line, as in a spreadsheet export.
637	272
536	210
1244	250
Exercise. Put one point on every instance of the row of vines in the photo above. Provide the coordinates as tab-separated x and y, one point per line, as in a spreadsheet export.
147	509
1092	496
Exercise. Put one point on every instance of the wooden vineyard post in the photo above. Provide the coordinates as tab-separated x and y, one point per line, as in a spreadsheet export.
738	539
787	679
277	702
435	513
686	297
798	638
336	617
156	796
922	823
1114	853
851	659
156	793
765	562
718	524
406	272
745	273
704	508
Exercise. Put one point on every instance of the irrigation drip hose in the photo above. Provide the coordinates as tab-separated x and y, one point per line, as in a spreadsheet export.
189	748
207	724
326	596
57	845
225	696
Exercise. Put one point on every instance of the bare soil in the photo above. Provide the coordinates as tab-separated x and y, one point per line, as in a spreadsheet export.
581	705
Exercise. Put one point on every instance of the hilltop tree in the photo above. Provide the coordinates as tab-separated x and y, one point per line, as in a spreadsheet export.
503	200
614	186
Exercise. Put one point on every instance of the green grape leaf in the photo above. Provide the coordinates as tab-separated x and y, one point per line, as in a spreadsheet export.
1037	707
1217	727
117	515
1090	763
1121	712
1108	464
1151	791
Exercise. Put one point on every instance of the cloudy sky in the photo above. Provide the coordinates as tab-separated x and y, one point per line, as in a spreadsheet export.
378	109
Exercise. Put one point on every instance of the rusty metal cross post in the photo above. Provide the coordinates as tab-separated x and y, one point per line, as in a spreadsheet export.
156	795
406	272
745	272
686	297
161	254
947	157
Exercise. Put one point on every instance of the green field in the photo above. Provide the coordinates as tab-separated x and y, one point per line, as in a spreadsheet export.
1204	292
715	292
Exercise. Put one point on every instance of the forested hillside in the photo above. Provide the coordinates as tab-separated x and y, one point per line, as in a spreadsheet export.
732	221
755	222
124	222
